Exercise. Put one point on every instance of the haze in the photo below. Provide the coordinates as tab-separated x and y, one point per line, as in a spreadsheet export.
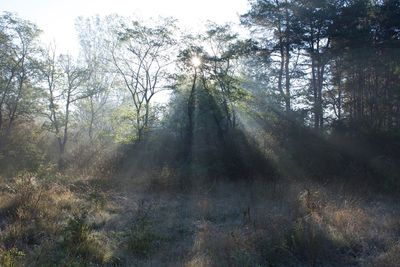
57	18
168	137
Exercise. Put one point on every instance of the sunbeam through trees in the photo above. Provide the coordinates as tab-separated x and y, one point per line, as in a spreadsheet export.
271	142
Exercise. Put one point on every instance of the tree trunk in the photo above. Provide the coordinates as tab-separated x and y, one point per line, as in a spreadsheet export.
190	110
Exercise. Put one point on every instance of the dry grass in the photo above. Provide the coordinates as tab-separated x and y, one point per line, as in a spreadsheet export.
82	222
35	222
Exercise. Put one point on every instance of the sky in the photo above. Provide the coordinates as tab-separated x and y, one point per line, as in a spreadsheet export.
57	17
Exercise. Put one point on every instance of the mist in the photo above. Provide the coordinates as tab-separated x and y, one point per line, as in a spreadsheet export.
272	142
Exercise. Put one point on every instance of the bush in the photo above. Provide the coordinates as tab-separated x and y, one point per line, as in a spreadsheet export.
23	150
80	241
11	257
142	239
26	194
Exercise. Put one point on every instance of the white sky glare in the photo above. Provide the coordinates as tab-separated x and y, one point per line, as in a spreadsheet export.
57	17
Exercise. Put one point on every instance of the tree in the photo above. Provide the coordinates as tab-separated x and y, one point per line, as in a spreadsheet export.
221	64
63	79
275	29
17	55
95	52
316	20
142	58
365	60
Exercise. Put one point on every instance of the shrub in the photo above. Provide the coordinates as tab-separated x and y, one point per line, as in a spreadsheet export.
11	257
142	239
98	199
80	241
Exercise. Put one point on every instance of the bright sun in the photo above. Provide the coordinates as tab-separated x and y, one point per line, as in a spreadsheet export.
196	61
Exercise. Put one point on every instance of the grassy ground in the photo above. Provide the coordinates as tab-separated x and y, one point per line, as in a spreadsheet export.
138	221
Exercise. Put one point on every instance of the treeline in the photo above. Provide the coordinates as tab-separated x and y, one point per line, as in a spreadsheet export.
328	65
66	109
337	61
51	101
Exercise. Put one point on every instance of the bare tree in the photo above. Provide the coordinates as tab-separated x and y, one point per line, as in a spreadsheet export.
63	79
95	48
142	58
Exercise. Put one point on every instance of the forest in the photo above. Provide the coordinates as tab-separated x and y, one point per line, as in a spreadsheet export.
273	144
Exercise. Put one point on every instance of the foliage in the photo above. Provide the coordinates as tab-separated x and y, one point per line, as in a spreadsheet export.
11	257
158	147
